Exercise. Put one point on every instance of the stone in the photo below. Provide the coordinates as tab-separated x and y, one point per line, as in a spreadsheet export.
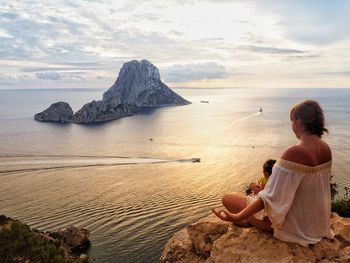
205	232
138	85
75	238
253	245
178	249
215	241
341	226
57	112
98	111
327	249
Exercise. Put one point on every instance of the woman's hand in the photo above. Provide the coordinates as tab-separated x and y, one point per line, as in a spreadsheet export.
225	215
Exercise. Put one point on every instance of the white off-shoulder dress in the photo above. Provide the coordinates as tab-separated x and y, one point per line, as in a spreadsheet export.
297	200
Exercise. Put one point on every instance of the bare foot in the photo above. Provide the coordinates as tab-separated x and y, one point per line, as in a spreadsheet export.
223	215
227	216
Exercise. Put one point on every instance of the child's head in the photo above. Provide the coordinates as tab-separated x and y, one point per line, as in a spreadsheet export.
267	167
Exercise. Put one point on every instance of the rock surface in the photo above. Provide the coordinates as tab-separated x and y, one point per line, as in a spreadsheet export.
98	111
138	85
205	232
75	238
179	248
211	240
57	112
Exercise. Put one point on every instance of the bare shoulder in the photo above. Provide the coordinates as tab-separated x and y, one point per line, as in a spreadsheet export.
296	154
310	156
326	151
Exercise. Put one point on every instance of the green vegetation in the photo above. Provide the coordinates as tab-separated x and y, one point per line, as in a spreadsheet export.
18	243
340	205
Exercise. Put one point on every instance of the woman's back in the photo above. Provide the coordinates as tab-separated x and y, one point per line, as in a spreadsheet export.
311	151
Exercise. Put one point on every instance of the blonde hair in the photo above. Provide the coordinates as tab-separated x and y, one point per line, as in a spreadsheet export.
311	115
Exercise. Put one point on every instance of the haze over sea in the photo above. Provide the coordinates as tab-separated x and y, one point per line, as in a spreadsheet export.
131	181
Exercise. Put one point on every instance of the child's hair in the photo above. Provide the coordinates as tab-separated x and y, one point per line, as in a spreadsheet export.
268	166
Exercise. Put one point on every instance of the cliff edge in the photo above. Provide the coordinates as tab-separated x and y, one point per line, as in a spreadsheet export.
211	240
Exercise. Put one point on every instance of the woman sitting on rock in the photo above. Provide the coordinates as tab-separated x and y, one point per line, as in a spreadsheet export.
296	199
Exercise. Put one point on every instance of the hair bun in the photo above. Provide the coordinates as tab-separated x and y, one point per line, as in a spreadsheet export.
311	115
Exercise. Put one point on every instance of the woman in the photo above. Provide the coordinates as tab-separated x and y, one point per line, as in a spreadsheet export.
297	198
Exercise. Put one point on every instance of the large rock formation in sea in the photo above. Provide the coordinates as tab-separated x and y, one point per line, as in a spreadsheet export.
211	240
138	85
97	111
57	112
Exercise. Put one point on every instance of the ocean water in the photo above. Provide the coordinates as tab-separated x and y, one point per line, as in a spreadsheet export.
131	182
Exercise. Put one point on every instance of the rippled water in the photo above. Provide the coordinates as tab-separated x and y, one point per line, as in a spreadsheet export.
131	182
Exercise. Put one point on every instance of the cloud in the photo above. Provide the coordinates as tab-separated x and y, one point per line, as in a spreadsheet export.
335	73
12	78
191	72
9	15
319	22
59	76
64	41
91	34
271	50
71	66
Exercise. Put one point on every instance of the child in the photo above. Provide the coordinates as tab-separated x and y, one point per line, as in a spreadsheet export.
267	171
256	188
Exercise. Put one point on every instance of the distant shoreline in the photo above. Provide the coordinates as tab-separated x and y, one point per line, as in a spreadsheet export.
180	88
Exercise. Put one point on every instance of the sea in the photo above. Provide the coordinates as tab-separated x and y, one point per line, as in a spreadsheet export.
132	182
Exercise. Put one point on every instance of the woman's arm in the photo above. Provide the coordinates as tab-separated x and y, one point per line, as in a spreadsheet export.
250	210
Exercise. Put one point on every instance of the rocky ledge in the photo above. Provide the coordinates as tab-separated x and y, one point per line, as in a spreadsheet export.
138	85
19	243
212	240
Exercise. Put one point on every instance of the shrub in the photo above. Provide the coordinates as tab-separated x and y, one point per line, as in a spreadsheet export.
18	243
340	205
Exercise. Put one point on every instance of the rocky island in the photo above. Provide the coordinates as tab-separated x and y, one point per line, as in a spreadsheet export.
211	240
57	112
137	86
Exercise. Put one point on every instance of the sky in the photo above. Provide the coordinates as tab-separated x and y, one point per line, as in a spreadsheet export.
193	43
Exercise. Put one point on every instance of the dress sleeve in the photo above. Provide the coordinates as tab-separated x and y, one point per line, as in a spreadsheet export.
278	194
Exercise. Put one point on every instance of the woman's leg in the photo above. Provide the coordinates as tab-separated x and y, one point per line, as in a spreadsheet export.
261	224
235	203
